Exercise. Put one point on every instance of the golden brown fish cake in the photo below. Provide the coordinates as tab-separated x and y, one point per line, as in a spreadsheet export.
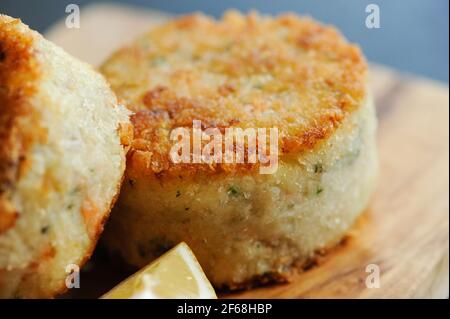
289	73
242	71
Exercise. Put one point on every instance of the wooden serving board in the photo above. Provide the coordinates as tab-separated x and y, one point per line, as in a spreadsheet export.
406	229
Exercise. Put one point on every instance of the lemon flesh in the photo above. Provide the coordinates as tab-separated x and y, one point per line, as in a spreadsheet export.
177	274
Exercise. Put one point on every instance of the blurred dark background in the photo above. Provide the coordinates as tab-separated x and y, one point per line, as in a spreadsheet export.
414	34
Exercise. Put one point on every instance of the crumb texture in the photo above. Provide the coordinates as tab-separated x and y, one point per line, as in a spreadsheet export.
243	71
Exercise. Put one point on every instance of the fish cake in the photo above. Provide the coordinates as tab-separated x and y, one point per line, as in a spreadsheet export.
243	71
63	140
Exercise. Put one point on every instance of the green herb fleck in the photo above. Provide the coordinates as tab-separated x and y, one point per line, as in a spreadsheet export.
319	190
70	206
233	191
178	193
44	230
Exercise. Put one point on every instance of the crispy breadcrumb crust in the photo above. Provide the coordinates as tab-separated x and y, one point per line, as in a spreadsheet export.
288	72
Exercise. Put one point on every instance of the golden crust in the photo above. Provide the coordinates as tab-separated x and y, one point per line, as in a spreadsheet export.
18	72
242	71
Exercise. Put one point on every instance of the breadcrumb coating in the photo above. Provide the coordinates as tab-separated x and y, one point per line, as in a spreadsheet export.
287	72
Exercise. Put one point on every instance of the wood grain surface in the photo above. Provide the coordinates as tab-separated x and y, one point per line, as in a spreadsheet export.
405	231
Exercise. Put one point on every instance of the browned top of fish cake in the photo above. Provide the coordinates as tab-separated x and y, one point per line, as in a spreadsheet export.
287	72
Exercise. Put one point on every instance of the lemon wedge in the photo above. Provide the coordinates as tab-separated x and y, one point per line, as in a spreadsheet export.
177	274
